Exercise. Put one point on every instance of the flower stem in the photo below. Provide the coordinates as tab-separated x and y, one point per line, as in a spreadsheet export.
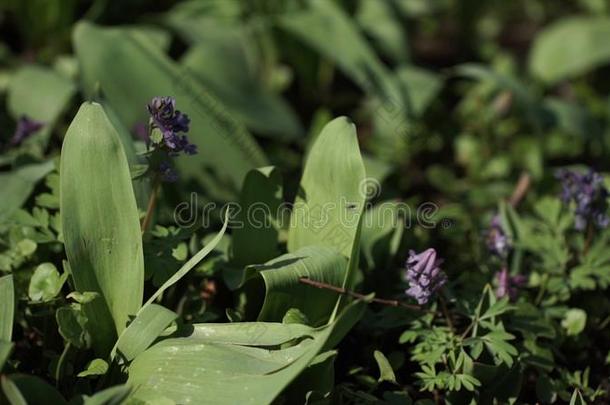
344	291
445	312
152	203
523	184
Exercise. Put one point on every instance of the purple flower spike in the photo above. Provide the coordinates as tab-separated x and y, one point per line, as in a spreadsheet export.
424	275
497	241
509	285
25	128
171	122
589	195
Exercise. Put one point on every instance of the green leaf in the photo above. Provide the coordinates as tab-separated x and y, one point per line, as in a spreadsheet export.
18	184
71	324
284	291
30	390
379	21
7	307
110	396
95	368
419	87
46	104
332	193
294	315
84	297
143	331
193	261
385	368
570	47
255	238
379	226
574	321
101	224
117	60
496	343
228	68
46	282
243	363
497	308
5	352
11	392
326	28
577	398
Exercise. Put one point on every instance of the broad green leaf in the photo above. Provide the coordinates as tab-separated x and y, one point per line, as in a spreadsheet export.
198	21
284	291
228	68
147	327
110	396
141	186
570	47
332	193
131	71
53	92
5	352
379	224
17	185
379	21
255	238
46	282
385	368
7	307
31	390
318	379
11	392
233	363
419	88
96	367
101	224
325	27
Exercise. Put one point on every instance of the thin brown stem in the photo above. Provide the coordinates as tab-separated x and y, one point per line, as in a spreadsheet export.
152	203
446	312
525	180
353	294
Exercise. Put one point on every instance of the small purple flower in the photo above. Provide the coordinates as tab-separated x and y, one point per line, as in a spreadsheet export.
497	241
424	275
171	122
25	128
589	195
167	172
509	285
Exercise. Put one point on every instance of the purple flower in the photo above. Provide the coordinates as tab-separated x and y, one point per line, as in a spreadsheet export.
509	285
171	122
589	195
167	172
497	241
424	275
25	128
